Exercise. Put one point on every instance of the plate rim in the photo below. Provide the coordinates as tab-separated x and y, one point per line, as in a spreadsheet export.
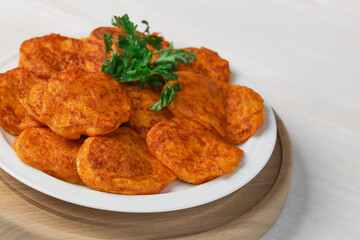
152	205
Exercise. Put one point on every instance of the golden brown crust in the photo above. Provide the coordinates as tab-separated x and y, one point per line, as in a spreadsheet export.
200	100
76	102
121	163
142	118
233	112
53	53
191	151
42	149
244	113
33	101
15	84
209	64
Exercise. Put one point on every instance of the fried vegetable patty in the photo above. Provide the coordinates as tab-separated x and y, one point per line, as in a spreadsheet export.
209	64
200	100
76	102
53	53
42	149
244	113
121	163
191	151
234	112
15	84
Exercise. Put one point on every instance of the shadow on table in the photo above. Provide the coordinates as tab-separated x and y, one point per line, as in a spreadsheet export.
294	211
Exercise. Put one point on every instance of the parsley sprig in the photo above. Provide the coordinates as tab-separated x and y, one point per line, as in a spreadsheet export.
133	61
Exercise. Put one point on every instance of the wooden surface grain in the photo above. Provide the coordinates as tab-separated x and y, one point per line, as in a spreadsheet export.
304	55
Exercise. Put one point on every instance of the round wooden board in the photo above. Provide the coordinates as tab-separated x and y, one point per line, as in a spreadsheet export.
245	214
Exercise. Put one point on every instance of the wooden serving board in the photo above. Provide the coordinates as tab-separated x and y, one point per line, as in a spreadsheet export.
245	214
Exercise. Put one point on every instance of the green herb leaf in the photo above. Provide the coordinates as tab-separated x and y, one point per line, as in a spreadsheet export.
108	43
154	41
133	62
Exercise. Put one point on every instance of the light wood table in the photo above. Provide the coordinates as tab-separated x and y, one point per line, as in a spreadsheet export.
303	55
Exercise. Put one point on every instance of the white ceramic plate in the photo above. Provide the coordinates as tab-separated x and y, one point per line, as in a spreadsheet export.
178	195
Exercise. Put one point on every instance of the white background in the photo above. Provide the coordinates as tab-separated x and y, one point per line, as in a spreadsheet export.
304	55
